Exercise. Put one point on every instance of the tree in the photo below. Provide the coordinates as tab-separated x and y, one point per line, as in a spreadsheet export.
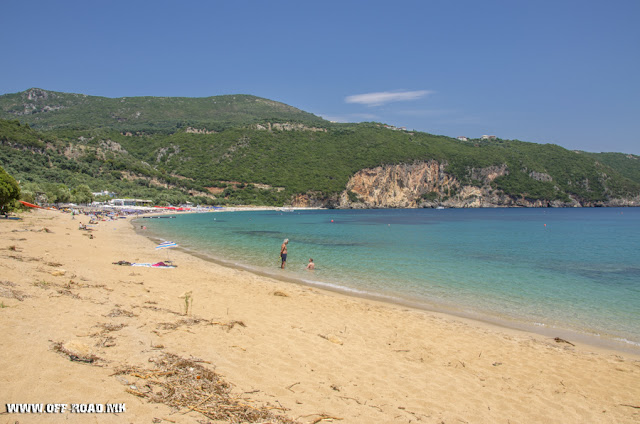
9	191
82	194
57	192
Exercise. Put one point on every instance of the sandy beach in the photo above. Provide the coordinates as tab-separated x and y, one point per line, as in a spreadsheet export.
80	330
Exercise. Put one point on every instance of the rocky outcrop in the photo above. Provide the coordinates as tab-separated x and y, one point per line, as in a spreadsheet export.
192	130
311	200
287	126
111	146
540	176
32	103
168	152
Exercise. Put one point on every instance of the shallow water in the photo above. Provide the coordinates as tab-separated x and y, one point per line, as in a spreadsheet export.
573	269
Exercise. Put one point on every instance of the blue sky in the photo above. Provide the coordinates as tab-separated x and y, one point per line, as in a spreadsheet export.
563	72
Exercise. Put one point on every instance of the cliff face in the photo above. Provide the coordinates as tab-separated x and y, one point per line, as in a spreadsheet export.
426	184
397	186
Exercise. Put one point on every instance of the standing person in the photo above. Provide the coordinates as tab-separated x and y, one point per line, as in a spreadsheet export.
283	252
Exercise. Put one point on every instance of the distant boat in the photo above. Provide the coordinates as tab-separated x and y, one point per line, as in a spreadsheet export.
440	207
286	209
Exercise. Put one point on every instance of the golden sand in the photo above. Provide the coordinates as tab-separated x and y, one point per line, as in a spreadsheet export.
307	354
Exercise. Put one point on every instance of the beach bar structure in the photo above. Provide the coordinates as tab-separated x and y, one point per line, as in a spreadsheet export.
130	202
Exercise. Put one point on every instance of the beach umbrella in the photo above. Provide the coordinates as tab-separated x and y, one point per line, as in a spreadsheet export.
167	245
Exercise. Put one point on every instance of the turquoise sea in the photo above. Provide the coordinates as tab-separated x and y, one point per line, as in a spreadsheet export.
561	272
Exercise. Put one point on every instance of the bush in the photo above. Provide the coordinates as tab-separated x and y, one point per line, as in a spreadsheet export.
9	191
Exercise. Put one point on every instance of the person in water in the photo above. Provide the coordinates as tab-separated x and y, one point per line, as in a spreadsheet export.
311	266
283	252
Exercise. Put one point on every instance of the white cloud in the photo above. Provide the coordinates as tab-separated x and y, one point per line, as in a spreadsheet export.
380	98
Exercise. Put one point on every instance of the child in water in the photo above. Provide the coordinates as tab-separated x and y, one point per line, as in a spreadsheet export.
311	266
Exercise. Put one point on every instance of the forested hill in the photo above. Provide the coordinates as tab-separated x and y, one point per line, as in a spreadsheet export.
46	110
247	150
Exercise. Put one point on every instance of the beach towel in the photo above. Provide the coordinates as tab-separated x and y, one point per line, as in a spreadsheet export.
148	265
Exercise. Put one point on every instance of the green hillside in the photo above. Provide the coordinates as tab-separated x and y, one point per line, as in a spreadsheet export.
57	167
626	164
46	110
237	161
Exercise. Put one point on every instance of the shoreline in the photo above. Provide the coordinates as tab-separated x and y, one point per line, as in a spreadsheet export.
607	344
309	353
593	340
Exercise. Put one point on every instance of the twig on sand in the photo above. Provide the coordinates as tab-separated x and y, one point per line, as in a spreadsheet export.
347	397
289	387
322	417
630	406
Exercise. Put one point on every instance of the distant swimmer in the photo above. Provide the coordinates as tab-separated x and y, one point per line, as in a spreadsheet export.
311	266
283	252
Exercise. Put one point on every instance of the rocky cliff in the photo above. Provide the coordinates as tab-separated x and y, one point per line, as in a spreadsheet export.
427	184
423	184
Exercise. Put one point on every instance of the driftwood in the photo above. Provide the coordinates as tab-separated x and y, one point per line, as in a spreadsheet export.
559	340
74	355
630	406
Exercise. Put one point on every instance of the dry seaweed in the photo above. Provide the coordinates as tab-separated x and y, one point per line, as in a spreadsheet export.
117	312
188	386
7	291
67	292
193	321
155	308
180	323
107	328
